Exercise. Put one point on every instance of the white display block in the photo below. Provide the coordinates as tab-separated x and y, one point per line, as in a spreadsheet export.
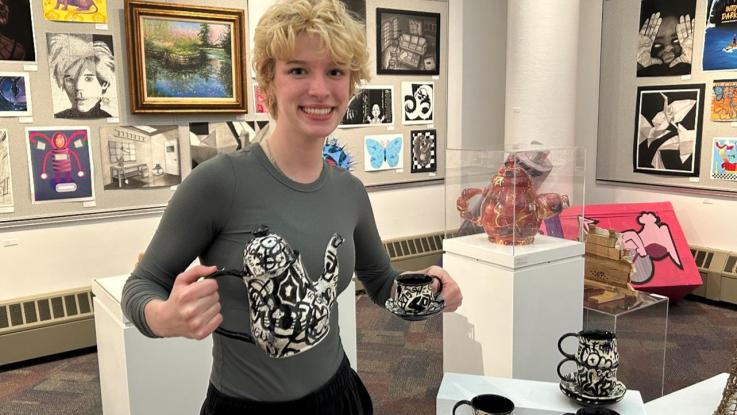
140	375
517	302
529	397
702	398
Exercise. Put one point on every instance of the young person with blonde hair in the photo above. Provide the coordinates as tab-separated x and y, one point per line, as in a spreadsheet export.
308	55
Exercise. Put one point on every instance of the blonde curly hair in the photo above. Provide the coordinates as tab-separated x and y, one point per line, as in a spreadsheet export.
277	30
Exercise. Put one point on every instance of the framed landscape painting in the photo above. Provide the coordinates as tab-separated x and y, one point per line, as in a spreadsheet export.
185	58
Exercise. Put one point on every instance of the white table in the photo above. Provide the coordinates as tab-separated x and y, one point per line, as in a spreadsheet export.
140	375
698	399
530	397
517	302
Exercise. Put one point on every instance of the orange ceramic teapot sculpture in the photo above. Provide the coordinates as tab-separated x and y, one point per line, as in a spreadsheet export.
511	210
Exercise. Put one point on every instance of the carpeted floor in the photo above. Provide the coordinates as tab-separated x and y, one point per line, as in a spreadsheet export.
400	362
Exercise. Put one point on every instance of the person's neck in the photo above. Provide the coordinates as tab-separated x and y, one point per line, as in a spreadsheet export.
298	158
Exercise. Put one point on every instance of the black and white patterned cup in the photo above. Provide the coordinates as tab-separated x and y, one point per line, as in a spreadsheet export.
596	348
414	292
592	381
488	404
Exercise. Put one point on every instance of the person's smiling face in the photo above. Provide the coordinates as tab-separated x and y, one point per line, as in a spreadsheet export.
311	91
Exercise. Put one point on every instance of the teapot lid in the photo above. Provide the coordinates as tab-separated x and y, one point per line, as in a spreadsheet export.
267	253
510	174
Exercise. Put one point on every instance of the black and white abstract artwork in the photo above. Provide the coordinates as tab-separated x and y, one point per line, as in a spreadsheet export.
418	102
372	105
82	72
423	151
665	42
16	31
668	129
408	42
207	140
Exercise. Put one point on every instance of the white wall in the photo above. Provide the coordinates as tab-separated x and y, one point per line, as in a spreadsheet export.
706	220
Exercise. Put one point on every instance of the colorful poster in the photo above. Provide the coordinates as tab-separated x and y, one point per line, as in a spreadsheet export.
140	157
15	95
383	152
207	140
336	154
370	106
77	11
419	102
720	37
16	31
665	41
724	159
6	183
82	71
59	163
423	151
724	100
259	99
668	129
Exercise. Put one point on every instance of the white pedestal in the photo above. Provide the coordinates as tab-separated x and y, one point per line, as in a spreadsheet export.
529	397
517	302
699	399
140	375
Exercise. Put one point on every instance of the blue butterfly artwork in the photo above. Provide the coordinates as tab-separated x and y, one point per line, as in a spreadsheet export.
383	152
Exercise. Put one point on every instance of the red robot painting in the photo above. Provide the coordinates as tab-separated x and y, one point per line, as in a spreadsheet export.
60	162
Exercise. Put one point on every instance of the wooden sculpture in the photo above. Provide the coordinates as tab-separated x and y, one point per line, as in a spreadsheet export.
608	266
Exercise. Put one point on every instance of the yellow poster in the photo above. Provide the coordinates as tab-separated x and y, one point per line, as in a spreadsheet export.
79	11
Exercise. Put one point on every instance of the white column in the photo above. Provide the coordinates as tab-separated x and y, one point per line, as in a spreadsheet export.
542	52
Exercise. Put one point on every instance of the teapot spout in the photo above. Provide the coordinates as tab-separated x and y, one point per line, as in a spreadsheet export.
550	204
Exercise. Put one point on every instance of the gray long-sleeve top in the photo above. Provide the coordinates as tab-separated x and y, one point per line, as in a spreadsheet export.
212	216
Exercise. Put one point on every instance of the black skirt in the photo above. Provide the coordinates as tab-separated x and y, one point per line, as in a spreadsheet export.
343	394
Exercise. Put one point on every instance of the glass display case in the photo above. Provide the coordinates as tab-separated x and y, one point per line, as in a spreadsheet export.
510	197
641	325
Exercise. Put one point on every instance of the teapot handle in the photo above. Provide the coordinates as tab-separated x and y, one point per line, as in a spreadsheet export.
462	204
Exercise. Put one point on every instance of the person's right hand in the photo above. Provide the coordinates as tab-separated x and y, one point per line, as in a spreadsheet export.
192	309
647	37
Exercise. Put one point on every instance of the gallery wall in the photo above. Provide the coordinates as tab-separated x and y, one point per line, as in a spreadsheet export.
32	254
705	218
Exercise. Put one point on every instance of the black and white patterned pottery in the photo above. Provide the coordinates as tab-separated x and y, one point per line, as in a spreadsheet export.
435	307
594	381
570	388
596	348
289	312
414	292
487	404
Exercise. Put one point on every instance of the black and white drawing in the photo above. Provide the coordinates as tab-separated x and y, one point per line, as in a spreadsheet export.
666	37
6	184
16	31
207	140
408	42
418	102
141	156
82	71
372	105
15	95
668	129
423	151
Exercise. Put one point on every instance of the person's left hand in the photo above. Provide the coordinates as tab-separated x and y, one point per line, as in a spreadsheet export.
684	30
451	291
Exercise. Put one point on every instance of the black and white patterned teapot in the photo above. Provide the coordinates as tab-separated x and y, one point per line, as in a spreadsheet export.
289	312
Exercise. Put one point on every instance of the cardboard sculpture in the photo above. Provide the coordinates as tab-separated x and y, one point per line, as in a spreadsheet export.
608	266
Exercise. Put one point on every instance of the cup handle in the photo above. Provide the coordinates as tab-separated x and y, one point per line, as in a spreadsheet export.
560	375
560	344
459	403
440	286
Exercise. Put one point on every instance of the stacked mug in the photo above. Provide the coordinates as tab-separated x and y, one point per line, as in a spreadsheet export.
596	360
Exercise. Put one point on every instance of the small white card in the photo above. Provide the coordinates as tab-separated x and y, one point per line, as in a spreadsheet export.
89	203
173	188
101	27
113	120
430	126
400	170
436	77
390	127
693	179
685	77
733	124
25	120
432	174
6	209
30	67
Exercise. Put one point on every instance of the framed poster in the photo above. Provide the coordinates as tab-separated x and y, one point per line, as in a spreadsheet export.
419	102
77	11
16	31
724	159
666	37
372	105
668	129
407	42
185	58
15	95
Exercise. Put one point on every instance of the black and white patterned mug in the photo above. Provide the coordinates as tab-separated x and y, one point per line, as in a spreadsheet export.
488	404
414	292
592	381
596	348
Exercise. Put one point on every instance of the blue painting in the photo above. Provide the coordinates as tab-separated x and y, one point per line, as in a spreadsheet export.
720	37
60	164
15	96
